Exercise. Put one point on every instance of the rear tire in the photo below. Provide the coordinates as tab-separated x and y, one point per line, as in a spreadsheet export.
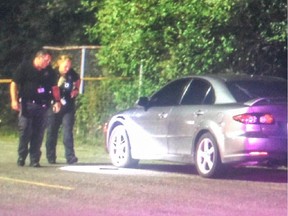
208	161
119	148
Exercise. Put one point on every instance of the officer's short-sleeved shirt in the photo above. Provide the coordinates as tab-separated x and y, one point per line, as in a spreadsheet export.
68	85
34	84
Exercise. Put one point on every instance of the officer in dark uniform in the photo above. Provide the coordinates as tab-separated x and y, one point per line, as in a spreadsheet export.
32	88
68	82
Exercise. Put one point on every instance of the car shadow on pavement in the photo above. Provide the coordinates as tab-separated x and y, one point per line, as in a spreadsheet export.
259	174
170	168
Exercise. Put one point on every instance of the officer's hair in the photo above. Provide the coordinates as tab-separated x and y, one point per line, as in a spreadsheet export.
42	53
61	58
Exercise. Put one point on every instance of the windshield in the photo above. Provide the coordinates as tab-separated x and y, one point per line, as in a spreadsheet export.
250	89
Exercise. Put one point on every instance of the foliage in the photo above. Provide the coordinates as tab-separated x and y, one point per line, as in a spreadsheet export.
26	26
168	39
7	116
145	43
93	110
259	28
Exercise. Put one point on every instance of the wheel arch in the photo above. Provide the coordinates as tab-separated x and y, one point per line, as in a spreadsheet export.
114	122
120	154
216	131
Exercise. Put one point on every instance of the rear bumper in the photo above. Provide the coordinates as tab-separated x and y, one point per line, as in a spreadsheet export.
258	150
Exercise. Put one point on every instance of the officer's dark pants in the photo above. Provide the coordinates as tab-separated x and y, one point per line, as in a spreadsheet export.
32	124
66	118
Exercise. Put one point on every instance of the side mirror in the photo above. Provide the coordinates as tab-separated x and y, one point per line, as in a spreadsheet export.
143	101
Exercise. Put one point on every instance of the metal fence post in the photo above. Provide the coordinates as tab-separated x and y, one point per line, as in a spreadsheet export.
82	70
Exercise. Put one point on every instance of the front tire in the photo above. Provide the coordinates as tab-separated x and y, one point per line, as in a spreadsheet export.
208	161
119	148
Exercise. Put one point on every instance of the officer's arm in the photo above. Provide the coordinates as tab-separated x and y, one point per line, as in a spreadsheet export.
56	95
14	96
75	91
77	84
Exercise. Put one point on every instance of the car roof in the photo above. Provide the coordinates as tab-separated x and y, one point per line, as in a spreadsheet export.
233	77
218	80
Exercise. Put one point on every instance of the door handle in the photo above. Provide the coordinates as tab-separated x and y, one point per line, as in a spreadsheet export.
199	112
163	115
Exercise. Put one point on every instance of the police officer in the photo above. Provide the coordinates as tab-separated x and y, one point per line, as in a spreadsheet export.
68	82
31	90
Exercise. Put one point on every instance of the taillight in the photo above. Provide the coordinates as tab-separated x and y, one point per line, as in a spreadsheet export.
254	118
266	119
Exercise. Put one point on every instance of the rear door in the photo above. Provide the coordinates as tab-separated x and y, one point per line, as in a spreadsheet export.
184	118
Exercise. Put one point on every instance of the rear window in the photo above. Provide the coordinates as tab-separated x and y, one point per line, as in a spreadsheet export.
250	89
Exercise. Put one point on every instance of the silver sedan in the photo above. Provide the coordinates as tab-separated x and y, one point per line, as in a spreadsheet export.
209	121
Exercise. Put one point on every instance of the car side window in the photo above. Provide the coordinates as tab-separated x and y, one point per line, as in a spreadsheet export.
171	94
199	92
247	90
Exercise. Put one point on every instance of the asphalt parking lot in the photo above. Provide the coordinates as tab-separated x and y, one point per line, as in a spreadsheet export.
94	187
